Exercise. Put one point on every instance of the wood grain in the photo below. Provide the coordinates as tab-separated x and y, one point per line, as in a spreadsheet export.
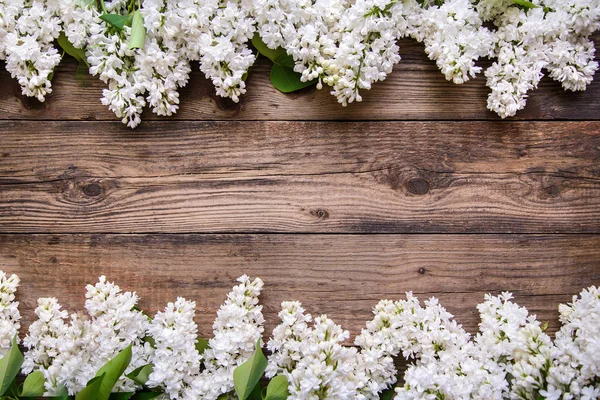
416	90
212	177
341	275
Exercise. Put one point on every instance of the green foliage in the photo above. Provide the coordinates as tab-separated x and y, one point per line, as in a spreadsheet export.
277	389
287	80
10	365
33	386
67	46
525	4
145	395
100	387
247	376
283	76
140	375
202	345
387	394
121	396
138	31
112	371
116	20
92	390
262	48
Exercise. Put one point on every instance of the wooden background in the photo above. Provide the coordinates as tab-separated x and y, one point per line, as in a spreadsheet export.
418	188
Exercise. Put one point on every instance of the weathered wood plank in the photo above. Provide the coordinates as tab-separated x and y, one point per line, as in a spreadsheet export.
416	90
395	177
341	275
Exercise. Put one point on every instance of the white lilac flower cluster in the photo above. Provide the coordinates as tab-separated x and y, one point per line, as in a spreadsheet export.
345	44
214	33
237	330
313	359
70	353
553	35
28	29
176	360
9	311
510	358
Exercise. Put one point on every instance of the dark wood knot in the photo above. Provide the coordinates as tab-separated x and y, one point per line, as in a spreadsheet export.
553	190
320	213
418	186
92	190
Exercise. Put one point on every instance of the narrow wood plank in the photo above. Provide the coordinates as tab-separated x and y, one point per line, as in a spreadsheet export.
342	276
395	177
416	90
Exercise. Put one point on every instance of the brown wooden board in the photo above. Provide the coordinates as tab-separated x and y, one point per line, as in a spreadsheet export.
353	177
343	276
416	90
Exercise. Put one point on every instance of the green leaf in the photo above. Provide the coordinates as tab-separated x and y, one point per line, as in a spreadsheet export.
92	390
525	3
545	326
116	20
121	396
10	365
202	345
145	395
256	393
140	375
138	31
13	390
387	394
33	386
247	375
67	46
112	371
278	388
286	80
285	60
262	48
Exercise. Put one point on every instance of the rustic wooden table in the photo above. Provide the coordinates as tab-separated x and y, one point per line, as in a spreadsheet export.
418	188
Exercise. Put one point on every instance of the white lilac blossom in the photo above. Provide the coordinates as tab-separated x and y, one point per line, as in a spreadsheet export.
367	51
176	362
313	359
27	32
454	37
576	368
76	351
516	343
45	341
345	44
554	36
237	330
162	63
309	31
225	55
447	364
10	11
9	311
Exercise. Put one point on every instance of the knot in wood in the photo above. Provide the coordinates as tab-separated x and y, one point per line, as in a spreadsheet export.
320	213
92	190
553	190
418	186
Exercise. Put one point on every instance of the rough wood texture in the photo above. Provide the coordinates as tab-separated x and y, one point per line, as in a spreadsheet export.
416	90
341	275
393	177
